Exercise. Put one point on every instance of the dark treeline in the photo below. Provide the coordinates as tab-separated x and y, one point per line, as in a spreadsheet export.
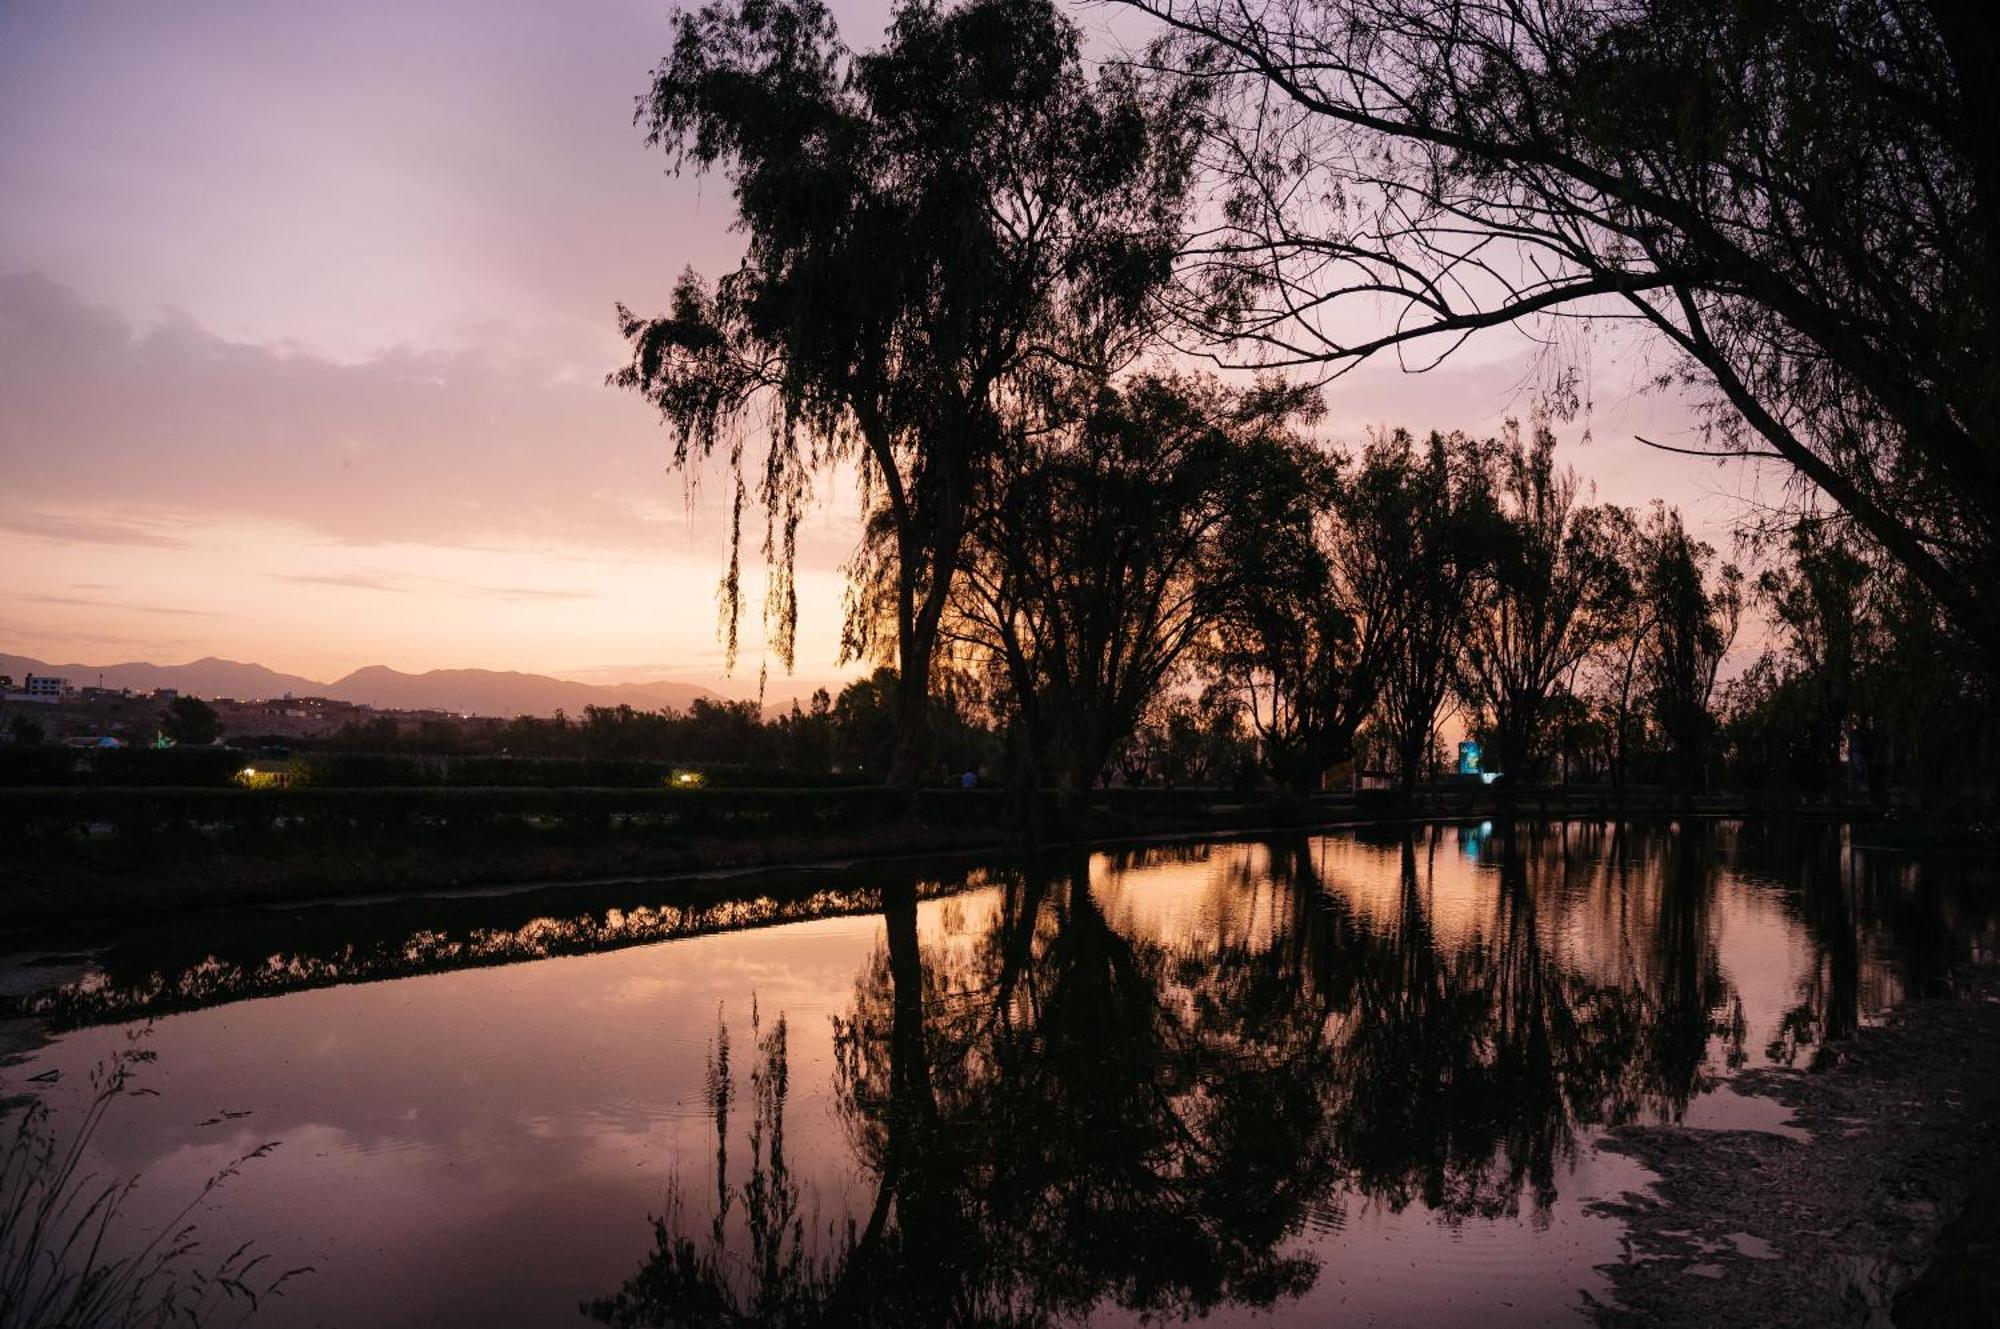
849	734
971	255
1578	642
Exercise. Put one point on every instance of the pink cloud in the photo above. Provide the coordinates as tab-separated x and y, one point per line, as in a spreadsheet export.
431	446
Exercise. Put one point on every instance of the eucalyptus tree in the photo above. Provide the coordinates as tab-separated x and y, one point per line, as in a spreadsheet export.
1613	687
1692	610
1104	556
934	229
1799	204
1315	609
1450	545
1821	601
1558	593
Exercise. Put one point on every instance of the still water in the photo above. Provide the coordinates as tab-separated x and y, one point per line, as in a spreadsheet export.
1302	1080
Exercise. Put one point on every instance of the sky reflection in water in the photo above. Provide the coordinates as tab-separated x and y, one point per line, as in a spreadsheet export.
1289	1080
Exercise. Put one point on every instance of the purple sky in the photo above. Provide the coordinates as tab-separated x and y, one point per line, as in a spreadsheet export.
304	318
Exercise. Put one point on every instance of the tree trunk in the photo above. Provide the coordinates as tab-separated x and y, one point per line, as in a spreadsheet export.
925	1213
1023	776
908	757
910	1076
1513	741
916	640
1409	752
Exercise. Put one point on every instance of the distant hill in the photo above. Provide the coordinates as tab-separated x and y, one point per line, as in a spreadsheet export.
495	692
206	677
467	691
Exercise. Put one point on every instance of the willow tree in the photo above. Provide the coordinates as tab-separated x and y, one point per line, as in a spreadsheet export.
934	228
1797	203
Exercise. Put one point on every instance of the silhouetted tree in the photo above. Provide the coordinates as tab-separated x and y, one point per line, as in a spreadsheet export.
805	734
1801	202
1450	546
1558	593
1104	557
1316	608
1612	685
1819	602
934	228
1692	614
1196	740
1932	725
190	720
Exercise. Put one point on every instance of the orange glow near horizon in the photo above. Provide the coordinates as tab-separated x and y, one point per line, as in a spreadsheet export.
280	596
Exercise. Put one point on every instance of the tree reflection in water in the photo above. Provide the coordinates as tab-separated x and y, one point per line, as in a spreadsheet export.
1855	905
1053	1118
1059	1112
1469	1069
775	1276
192	964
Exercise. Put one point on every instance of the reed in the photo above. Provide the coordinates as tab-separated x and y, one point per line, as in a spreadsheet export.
68	1259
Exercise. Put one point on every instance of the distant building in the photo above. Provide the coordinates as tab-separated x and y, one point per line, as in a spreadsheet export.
166	694
46	689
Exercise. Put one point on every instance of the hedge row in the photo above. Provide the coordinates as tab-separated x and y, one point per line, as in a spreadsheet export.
47	764
152	809
357	770
155	810
51	765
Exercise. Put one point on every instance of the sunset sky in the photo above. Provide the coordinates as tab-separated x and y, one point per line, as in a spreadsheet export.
305	313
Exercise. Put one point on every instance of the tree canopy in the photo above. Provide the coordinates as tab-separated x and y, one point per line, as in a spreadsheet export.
938	231
1105	558
1801	201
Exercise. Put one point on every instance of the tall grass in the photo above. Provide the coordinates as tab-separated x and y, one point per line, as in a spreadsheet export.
62	1229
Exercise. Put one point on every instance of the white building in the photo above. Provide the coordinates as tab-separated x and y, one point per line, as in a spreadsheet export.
46	688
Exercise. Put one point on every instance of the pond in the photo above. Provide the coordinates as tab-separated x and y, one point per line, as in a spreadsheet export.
1296	1080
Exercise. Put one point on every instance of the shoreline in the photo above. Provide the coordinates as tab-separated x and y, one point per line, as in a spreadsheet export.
1885	1213
122	878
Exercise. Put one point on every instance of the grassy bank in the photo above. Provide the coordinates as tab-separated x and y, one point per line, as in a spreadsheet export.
93	851
100	852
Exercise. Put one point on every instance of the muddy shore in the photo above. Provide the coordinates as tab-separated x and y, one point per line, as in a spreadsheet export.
1885	1213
